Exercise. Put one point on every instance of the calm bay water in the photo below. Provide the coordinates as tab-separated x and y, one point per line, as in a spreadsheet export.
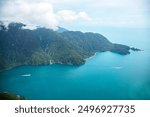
105	76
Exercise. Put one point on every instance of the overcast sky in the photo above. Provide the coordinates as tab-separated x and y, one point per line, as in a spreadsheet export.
77	14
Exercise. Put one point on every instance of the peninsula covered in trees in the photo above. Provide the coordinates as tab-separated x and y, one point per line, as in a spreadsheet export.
42	46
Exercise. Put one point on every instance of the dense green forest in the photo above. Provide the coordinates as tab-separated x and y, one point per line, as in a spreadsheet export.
20	46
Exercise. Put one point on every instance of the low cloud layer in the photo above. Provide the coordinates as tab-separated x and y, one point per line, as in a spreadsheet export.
38	14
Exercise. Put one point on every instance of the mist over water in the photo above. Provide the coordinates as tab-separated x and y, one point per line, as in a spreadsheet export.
105	76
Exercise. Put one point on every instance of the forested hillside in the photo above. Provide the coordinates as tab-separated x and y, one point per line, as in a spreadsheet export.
19	46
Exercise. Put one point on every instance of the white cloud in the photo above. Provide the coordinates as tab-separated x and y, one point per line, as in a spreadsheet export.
69	16
38	14
69	13
30	13
112	13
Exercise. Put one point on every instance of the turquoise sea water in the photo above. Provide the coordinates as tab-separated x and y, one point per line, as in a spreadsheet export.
105	76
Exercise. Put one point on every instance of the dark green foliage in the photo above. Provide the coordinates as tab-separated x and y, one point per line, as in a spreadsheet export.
43	46
121	49
10	96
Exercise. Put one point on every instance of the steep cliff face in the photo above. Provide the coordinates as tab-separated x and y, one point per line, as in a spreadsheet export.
43	46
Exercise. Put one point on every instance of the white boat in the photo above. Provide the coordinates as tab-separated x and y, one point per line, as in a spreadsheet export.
117	67
26	75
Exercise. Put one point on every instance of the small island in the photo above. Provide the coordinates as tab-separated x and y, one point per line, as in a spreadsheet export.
135	49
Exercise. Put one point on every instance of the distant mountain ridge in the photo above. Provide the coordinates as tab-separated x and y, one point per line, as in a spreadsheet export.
60	29
43	46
